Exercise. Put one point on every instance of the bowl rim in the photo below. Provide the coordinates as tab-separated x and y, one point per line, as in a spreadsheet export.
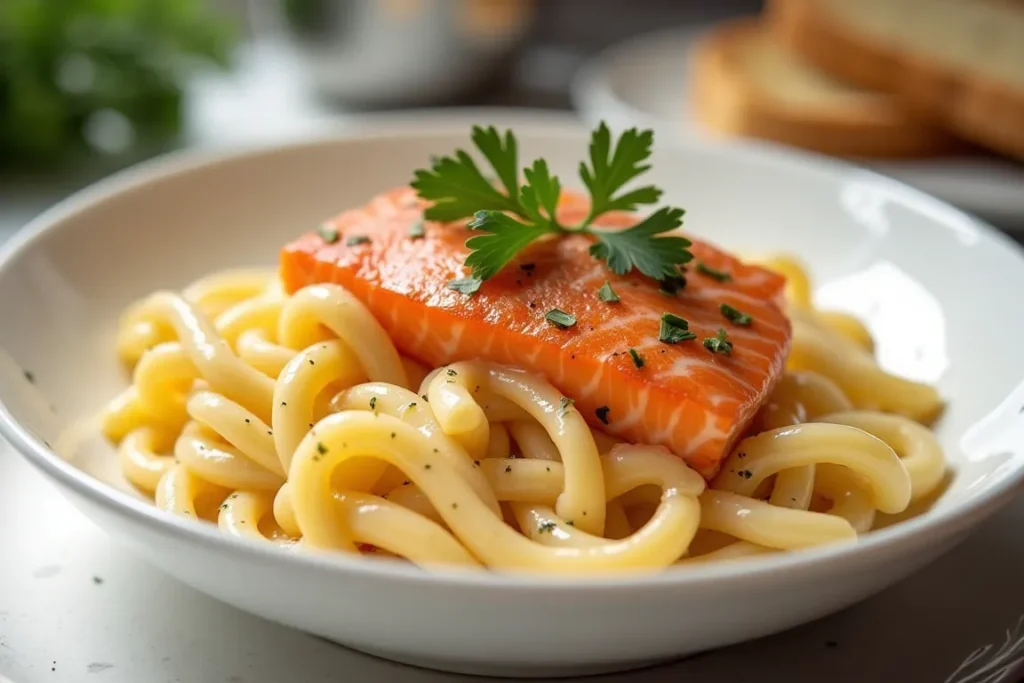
594	91
431	122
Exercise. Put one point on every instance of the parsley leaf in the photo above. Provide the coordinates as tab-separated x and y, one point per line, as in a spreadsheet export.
505	238
607	294
328	233
541	191
734	315
503	155
674	329
466	285
640	246
560	319
713	273
458	188
514	216
638	360
611	169
718	344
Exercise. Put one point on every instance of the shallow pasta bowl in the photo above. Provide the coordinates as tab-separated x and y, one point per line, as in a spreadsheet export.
937	289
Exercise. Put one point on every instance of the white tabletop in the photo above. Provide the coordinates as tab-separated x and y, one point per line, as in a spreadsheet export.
74	606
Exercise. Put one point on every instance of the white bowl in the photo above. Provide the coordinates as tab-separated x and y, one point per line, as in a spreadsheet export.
940	292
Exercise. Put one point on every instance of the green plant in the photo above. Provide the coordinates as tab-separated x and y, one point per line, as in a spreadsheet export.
70	67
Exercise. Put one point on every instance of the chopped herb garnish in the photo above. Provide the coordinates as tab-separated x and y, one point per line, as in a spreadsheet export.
321	448
638	360
569	522
720	275
356	240
328	233
672	284
736	316
373	403
718	344
546	527
602	414
97	580
607	294
29	377
451	373
746	474
560	319
675	321
674	329
417	231
466	285
508	468
511	216
564	404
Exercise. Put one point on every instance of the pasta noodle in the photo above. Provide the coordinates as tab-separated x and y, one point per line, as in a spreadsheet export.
293	420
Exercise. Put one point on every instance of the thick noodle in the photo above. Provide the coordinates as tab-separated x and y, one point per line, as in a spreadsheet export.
293	420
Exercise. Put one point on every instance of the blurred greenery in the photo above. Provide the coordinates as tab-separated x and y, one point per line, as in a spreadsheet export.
79	77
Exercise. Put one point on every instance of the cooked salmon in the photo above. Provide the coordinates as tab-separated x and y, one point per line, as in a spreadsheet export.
682	395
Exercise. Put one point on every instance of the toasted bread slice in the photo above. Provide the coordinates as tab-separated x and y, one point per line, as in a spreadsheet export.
960	61
745	83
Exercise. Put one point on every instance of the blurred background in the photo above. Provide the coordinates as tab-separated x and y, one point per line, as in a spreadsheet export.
90	86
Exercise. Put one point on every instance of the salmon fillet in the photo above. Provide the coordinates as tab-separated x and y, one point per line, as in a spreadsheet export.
695	402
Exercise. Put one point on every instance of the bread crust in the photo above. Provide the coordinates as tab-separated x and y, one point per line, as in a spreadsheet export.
727	101
982	110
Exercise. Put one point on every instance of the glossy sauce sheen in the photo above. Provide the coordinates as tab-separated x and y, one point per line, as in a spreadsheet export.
684	397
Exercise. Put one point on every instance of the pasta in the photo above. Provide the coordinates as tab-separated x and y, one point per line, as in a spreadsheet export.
293	420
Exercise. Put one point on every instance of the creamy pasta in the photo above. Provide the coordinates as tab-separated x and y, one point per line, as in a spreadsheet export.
293	420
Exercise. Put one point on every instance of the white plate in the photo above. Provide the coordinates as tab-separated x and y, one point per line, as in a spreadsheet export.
67	276
643	81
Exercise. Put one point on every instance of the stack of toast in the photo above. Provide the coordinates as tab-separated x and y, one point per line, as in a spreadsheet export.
871	78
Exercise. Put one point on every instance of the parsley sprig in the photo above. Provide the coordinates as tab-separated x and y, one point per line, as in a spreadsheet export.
510	217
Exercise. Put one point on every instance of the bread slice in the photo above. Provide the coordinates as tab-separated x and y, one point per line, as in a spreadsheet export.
960	61
745	83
